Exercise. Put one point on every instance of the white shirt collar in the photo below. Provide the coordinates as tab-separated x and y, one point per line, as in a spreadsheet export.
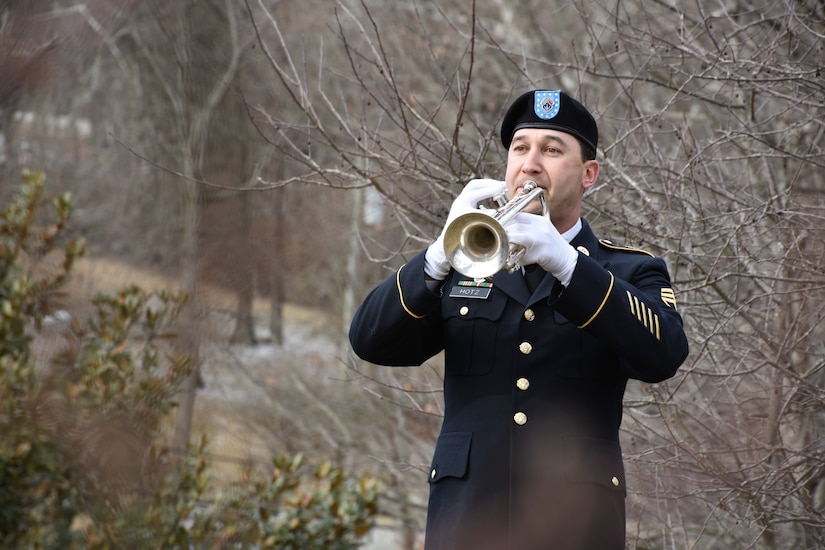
571	233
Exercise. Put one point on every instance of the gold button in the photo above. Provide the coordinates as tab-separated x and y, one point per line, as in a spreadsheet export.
432	474
529	315
522	384
525	348
464	310
520	418
615	481
583	250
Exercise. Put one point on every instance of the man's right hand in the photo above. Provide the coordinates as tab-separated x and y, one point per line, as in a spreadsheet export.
436	265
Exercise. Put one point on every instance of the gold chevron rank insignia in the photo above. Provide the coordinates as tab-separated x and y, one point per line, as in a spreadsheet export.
644	314
669	297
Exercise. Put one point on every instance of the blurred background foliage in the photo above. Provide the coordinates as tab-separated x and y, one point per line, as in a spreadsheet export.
83	458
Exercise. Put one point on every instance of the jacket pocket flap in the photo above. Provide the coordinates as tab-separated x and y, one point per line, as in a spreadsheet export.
489	309
452	452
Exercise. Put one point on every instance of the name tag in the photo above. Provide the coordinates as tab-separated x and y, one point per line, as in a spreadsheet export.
470	292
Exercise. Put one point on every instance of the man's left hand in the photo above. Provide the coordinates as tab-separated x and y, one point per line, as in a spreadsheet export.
543	245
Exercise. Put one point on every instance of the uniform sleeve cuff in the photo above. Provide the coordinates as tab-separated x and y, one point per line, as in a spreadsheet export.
586	294
413	289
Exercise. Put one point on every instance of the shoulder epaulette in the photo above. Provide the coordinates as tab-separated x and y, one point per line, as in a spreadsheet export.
609	245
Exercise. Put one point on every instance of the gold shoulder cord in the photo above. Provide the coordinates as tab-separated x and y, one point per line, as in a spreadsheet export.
601	306
401	294
609	244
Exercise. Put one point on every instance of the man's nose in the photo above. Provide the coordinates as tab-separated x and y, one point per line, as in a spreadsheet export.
531	162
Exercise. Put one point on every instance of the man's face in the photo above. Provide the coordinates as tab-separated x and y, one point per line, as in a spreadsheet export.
553	160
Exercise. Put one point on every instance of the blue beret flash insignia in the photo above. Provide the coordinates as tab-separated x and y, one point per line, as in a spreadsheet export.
546	104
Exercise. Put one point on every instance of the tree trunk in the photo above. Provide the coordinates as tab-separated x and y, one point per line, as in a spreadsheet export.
277	267
245	278
190	333
348	300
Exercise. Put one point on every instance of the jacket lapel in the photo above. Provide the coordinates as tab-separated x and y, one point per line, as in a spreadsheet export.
512	284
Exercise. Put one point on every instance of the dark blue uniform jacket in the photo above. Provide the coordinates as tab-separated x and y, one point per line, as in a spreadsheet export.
528	456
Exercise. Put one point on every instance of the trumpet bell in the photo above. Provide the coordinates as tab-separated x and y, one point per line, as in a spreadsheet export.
476	245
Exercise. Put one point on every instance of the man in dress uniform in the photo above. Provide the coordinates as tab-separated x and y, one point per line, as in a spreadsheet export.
528	457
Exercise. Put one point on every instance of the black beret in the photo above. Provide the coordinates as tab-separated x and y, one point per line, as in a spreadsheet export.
551	109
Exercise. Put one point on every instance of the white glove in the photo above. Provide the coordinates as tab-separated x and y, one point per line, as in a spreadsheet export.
543	245
435	260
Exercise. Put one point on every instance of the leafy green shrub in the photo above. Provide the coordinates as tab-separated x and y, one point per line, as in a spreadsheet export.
82	463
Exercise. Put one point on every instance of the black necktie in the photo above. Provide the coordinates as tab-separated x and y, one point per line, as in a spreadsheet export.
533	274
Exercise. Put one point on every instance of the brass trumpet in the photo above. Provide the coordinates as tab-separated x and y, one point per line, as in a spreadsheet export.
476	244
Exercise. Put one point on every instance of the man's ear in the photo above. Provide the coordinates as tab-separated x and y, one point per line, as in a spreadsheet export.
591	172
